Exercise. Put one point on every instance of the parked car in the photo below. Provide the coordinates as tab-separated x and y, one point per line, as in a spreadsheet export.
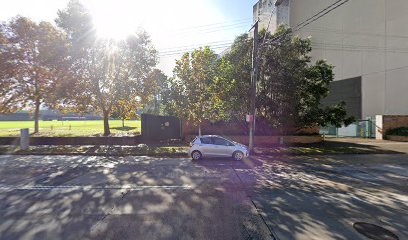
216	146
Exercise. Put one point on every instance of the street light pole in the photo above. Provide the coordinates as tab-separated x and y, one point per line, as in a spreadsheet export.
254	77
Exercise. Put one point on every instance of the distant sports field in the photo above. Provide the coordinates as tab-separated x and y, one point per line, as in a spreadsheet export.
71	128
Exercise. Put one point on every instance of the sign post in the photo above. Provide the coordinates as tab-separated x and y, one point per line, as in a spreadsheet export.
24	138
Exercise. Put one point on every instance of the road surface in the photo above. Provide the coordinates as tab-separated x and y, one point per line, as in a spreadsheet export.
269	197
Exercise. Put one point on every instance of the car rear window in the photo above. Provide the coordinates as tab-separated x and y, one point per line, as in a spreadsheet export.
206	140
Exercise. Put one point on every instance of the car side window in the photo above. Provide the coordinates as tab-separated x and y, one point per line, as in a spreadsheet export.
220	141
206	140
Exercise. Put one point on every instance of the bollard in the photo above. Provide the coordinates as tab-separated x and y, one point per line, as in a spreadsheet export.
24	138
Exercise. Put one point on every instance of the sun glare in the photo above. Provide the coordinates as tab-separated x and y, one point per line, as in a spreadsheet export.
115	19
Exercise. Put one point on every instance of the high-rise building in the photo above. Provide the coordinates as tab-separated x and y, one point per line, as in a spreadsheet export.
271	13
366	41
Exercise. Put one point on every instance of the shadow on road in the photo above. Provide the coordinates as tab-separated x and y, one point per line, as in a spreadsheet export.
123	198
321	198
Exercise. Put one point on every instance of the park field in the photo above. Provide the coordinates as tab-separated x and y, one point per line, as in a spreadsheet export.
70	128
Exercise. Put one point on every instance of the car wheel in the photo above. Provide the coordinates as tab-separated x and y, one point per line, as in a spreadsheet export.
238	155
196	155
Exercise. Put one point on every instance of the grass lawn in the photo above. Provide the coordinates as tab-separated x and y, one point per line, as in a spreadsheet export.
71	128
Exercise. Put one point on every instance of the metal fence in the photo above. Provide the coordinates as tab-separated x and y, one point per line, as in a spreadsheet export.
361	129
160	127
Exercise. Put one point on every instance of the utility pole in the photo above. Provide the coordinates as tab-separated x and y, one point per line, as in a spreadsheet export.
254	78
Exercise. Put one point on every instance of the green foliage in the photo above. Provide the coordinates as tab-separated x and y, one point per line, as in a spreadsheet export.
221	88
401	131
32	65
153	89
313	87
281	69
125	108
194	92
109	74
290	87
237	93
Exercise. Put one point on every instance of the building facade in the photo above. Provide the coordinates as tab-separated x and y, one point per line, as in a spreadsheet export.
271	13
366	41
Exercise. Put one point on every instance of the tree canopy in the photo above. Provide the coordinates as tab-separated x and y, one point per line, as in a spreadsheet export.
107	72
32	65
240	57
291	87
194	91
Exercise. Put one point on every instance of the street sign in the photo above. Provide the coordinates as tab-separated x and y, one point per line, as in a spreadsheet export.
249	118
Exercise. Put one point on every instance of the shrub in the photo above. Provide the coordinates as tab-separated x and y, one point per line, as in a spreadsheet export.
401	131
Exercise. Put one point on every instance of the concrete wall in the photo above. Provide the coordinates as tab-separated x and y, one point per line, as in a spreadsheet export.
349	91
367	38
263	9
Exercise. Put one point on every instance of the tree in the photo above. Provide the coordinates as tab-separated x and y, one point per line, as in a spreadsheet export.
313	88
290	88
152	90
32	65
239	81
107	71
192	93
173	98
125	109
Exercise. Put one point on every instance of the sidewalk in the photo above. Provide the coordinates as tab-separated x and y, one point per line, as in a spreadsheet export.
380	144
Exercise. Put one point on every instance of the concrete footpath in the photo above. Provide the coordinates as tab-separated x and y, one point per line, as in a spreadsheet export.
264	197
323	197
400	147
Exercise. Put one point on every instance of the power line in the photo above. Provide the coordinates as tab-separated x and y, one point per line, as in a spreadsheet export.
337	31
238	21
189	50
313	18
215	27
269	23
331	8
192	48
197	45
310	18
219	29
339	47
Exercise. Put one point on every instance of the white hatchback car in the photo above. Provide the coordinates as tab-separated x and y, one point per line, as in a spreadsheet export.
216	146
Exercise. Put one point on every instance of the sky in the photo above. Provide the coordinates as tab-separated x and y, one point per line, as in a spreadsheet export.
175	26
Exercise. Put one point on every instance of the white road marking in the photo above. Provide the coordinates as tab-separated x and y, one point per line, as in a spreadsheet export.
90	187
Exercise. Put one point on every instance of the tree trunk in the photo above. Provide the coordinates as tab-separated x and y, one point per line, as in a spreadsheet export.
199	129
36	116
123	123
106	130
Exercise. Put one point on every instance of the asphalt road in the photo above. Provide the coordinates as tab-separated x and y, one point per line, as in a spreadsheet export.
78	197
